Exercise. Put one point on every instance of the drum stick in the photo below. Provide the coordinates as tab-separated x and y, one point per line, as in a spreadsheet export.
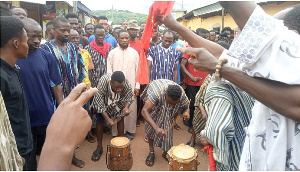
116	120
173	124
189	104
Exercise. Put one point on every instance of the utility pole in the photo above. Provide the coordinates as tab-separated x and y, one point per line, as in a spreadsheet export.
112	13
223	13
75	7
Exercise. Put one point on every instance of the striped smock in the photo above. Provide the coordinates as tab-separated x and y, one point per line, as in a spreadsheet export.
71	65
162	113
107	101
229	112
100	65
163	62
198	123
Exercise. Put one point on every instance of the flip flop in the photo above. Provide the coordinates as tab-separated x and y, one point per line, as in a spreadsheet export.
77	162
177	127
150	159
191	144
96	155
90	138
164	155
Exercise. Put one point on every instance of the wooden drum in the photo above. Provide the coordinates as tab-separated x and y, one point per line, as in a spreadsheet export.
119	155
182	158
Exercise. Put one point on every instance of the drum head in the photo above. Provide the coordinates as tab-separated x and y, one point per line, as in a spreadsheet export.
119	141
184	152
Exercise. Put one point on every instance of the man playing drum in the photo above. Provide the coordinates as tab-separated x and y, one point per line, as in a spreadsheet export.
164	99
111	102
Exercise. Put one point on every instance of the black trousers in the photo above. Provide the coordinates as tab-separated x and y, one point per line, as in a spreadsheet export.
191	92
38	136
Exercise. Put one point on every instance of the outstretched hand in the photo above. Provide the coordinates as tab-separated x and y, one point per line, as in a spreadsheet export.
67	129
201	59
70	123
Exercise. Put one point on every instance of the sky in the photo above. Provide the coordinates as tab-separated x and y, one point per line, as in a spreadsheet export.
141	6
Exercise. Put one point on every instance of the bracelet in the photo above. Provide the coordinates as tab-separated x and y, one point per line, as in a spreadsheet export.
218	68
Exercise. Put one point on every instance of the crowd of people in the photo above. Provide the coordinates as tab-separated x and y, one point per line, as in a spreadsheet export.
237	89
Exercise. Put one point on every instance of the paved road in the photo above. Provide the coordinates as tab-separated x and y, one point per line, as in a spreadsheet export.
140	151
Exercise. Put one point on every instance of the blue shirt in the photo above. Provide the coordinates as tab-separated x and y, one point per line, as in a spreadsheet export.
178	64
108	38
36	72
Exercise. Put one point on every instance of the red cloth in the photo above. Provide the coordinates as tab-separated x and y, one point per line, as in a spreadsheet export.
190	68
158	8
137	45
211	160
100	49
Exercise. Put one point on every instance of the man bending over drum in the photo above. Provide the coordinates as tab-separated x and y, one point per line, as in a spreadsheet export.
111	102
164	99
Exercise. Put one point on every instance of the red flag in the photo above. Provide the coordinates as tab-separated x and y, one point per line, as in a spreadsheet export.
211	160
158	8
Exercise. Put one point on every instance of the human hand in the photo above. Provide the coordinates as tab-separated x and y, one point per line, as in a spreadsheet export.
186	116
69	118
110	122
196	79
136	92
201	59
204	141
169	21
203	113
204	118
126	111
160	132
23	161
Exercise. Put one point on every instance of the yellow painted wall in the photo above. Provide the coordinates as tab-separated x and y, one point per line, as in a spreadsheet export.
208	23
15	3
272	9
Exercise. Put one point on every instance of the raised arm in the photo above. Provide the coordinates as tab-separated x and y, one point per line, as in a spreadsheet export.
193	39
282	98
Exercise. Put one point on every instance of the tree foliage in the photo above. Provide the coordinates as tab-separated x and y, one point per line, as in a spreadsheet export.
118	16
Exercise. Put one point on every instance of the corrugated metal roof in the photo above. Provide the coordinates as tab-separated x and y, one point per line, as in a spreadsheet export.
207	9
80	5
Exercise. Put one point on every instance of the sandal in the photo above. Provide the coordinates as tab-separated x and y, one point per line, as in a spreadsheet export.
96	155
191	144
90	138
150	159
77	162
177	127
164	155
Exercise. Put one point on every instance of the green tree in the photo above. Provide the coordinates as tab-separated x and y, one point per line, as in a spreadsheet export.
118	16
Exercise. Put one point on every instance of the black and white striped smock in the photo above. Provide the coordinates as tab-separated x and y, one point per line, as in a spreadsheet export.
100	101
100	65
162	113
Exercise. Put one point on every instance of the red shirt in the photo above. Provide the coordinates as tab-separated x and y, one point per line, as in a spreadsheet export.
190	68
137	45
